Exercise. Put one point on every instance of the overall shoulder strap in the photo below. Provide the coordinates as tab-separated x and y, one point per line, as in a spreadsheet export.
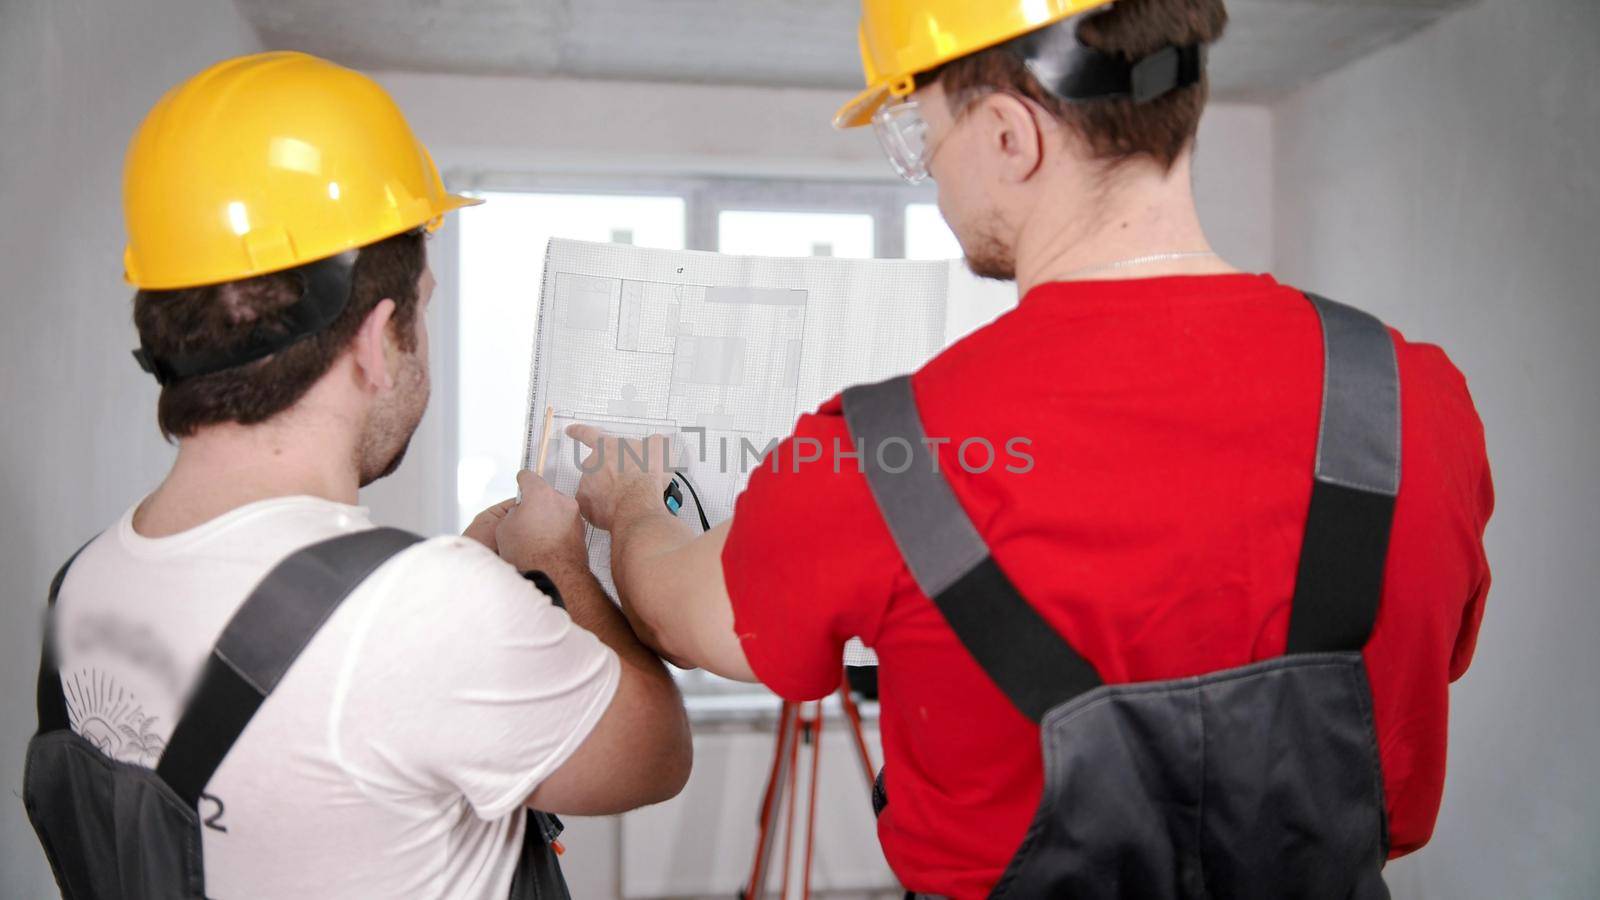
1026	658
51	700
261	642
1340	578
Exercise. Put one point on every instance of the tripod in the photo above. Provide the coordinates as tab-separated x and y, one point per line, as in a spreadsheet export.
799	724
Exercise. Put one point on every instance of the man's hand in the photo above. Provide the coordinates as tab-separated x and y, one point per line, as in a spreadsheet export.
542	531
620	473
484	524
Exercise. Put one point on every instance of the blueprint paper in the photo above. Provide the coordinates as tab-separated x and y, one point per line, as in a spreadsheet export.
642	341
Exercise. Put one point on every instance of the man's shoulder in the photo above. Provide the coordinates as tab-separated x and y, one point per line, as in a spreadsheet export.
1428	365
436	601
451	568
451	551
1432	386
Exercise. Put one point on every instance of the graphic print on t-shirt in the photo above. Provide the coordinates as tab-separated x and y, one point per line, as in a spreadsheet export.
110	717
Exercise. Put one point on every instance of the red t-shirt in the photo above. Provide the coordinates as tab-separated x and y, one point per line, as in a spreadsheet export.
1173	426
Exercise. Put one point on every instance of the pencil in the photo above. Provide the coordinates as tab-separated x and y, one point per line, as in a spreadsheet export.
544	440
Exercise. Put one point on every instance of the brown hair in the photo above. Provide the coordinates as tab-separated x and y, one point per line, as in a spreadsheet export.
1116	130
221	317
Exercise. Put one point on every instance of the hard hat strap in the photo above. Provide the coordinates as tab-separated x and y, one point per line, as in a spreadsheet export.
325	293
1075	73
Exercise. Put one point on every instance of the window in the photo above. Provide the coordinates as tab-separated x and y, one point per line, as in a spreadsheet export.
751	233
502	263
927	235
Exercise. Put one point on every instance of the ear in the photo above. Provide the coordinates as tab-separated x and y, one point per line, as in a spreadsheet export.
371	345
1012	133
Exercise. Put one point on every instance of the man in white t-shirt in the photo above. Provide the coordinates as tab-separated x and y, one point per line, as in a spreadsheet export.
447	693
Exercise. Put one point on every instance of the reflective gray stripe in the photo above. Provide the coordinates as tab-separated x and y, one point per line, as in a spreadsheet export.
285	611
937	540
1358	443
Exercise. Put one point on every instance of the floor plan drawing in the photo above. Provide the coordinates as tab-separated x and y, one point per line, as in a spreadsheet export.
721	353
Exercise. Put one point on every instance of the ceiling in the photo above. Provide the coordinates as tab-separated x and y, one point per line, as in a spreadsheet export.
1272	46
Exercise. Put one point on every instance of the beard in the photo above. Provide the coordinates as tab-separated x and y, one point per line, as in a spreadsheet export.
392	423
987	255
398	457
992	259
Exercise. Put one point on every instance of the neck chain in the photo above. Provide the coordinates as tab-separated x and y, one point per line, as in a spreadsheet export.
1140	261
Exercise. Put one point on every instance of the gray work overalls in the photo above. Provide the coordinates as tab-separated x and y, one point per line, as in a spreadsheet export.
1256	782
118	831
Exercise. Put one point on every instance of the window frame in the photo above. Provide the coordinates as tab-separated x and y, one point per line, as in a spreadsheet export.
706	197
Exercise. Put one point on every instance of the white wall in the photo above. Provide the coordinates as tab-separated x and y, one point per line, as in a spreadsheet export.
1451	184
79	443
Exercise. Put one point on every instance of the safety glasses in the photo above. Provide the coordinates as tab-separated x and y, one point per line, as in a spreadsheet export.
903	134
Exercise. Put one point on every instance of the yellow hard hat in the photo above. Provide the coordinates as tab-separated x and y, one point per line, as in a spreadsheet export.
901	39
267	162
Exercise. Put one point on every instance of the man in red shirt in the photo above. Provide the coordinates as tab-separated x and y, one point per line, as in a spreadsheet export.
1138	446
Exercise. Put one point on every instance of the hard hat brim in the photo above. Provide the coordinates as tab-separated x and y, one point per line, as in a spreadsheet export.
452	202
859	111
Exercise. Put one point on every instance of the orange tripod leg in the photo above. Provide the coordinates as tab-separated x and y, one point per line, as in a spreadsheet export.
791	789
794	726
772	801
811	806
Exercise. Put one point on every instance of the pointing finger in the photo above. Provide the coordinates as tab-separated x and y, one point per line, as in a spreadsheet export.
587	435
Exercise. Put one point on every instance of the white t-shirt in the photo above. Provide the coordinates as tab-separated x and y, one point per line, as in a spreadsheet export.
395	755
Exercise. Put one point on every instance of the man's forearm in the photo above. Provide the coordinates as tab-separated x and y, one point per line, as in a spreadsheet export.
647	706
643	537
593	611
